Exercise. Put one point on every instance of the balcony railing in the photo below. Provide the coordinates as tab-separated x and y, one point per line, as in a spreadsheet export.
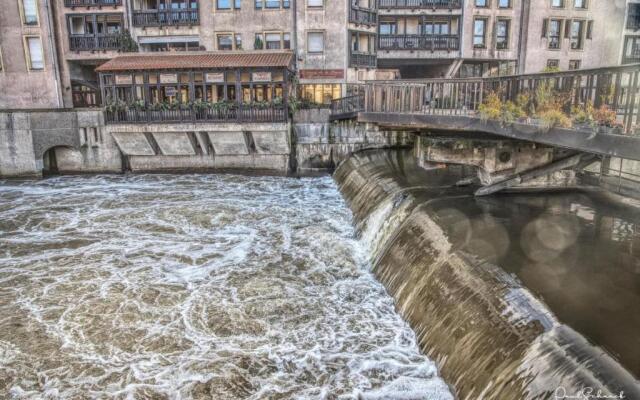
92	3
358	59
94	42
419	42
190	114
166	17
365	16
613	91
633	21
432	4
347	105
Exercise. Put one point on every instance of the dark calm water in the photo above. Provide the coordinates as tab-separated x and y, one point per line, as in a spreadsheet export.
195	286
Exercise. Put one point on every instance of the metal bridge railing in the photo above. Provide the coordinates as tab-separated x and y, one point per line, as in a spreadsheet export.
614	90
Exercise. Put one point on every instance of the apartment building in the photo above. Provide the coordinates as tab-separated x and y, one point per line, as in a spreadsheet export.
572	34
29	76
49	49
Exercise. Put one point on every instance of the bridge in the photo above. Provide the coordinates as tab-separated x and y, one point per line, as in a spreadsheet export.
579	116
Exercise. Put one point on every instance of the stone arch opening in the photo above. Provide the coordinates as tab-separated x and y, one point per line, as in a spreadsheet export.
58	160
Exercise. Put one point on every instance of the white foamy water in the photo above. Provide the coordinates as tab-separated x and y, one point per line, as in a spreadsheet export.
197	286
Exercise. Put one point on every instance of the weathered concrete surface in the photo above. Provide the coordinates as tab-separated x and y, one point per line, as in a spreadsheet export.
133	144
268	142
320	147
604	144
251	162
174	144
16	146
76	138
229	143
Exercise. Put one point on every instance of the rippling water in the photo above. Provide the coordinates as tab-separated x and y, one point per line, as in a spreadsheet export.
198	286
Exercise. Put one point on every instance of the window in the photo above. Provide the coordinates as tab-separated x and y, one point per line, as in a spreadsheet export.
482	3
238	41
633	19
557	3
225	41
553	63
35	59
223	4
272	4
479	30
502	34
315	42
258	43
554	33
321	93
237	4
29	12
388	28
434	28
574	64
582	4
286	41
577	27
504	4
315	3
272	41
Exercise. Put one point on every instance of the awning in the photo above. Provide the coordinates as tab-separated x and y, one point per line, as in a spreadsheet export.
199	60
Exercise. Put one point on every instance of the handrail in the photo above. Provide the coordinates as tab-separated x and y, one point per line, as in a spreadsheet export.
442	4
184	16
85	3
611	93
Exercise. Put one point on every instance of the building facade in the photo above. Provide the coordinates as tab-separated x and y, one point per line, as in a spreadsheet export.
50	49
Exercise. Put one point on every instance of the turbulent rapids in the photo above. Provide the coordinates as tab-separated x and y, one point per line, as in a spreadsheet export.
205	287
237	287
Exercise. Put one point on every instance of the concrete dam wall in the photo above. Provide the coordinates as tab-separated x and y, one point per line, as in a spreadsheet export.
467	274
69	142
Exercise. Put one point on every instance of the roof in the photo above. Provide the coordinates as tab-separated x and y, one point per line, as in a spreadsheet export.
200	60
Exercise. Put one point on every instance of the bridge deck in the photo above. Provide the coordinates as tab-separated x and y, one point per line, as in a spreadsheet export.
604	97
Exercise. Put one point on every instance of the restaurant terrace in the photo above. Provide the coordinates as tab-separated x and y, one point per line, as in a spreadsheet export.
197	87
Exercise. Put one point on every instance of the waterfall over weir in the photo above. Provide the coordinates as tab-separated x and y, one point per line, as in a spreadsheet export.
516	296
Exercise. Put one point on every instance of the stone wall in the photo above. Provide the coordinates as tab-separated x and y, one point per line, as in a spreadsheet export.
320	145
79	142
198	147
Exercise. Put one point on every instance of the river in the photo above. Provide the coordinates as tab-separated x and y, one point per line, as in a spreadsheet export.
195	286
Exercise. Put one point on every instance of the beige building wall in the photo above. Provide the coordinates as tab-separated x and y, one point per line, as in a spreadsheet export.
27	81
602	49
492	14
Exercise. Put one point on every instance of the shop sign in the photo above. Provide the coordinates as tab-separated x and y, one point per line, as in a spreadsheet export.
261	77
168	78
124	80
214	77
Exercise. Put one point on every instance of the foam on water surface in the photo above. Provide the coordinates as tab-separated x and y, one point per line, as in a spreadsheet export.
196	286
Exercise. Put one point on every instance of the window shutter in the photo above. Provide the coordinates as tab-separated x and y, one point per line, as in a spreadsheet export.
545	26
589	29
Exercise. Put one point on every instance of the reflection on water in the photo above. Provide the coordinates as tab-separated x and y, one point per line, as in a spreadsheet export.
580	254
218	287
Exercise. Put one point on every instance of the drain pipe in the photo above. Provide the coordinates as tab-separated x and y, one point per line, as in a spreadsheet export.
54	52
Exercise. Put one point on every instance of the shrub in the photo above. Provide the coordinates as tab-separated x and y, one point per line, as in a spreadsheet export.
583	114
605	116
554	118
493	108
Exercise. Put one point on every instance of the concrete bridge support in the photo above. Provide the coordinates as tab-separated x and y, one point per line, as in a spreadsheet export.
501	163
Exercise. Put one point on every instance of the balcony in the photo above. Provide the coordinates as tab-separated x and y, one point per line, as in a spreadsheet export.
419	42
359	59
144	18
365	16
423	4
92	3
94	42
